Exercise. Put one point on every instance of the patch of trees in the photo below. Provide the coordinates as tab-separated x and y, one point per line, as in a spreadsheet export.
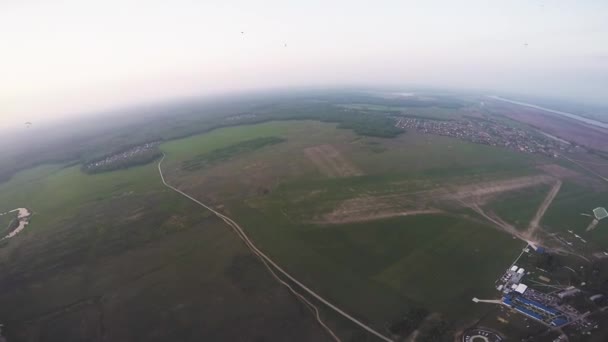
438	330
228	152
360	122
10	227
546	262
446	102
408	323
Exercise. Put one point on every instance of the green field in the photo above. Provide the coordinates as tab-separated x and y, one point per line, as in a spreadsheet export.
519	207
378	269
119	247
225	153
6	221
129	259
572	201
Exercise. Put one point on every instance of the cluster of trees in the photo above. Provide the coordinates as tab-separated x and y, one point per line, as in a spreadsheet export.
361	122
430	328
440	101
438	330
409	322
227	152
12	225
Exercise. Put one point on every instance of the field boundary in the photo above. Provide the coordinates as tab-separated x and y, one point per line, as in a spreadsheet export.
268	261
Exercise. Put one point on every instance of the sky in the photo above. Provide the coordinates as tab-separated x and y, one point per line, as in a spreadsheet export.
64	58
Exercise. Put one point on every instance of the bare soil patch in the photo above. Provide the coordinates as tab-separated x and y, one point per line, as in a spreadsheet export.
331	162
479	193
534	224
592	225
367	208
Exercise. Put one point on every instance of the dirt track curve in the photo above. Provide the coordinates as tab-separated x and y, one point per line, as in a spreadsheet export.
268	262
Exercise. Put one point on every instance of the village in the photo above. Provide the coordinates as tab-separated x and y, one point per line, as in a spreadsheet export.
488	133
135	155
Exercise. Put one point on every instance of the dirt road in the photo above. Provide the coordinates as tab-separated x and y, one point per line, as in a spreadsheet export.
268	262
534	224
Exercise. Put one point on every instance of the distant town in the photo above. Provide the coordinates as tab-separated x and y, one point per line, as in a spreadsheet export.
488	132
134	156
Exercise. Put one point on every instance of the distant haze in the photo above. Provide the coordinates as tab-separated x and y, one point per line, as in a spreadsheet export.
63	58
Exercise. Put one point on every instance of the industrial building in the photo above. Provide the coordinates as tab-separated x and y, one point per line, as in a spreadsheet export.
535	310
571	291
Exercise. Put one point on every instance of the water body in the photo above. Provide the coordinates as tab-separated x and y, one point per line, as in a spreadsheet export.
24	219
566	114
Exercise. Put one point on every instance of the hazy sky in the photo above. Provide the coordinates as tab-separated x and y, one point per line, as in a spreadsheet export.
64	57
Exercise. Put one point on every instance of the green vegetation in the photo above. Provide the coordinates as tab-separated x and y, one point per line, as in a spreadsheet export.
519	207
426	113
227	152
379	269
566	211
8	222
409	322
124	256
360	122
83	142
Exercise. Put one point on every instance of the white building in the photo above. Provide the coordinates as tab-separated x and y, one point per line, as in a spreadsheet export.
521	288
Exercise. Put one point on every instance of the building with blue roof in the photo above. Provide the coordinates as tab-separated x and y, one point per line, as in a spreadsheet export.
559	321
535	310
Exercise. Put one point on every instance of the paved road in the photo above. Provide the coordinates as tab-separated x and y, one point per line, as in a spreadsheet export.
584	167
239	230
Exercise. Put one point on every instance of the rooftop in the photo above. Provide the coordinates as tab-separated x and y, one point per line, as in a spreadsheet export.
600	213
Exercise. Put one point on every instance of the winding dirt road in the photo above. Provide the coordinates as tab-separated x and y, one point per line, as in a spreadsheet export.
272	267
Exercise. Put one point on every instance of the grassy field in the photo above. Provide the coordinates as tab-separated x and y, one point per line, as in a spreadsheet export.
379	269
225	153
518	207
118	247
572	201
116	257
382	268
6	221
